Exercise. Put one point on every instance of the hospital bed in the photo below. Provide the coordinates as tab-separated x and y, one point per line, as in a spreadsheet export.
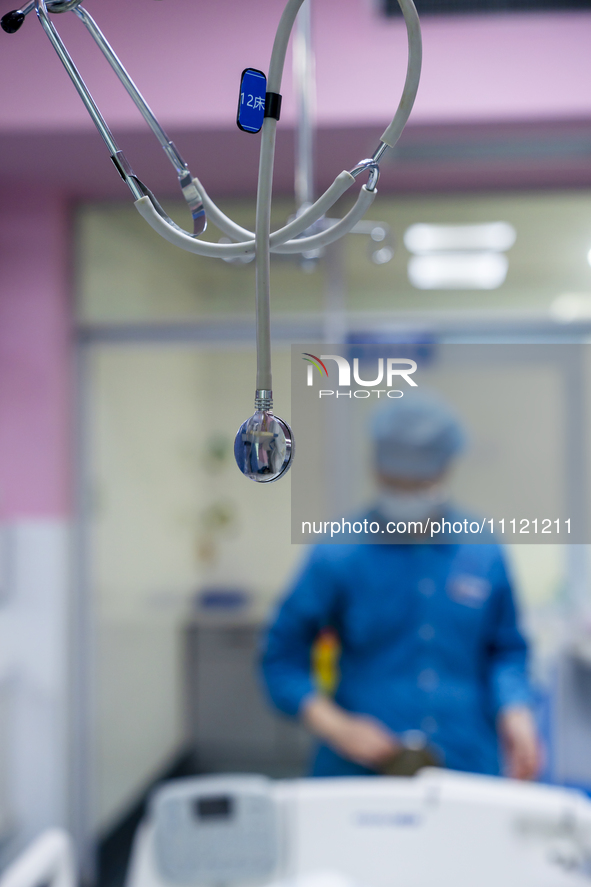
433	830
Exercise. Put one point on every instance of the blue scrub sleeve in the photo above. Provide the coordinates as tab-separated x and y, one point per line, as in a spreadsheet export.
507	650
305	611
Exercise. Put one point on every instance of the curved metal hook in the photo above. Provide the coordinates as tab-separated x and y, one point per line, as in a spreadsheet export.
368	165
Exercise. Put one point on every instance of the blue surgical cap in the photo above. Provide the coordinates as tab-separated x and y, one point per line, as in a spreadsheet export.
416	436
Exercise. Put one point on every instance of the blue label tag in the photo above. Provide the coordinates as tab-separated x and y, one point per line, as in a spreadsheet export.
251	101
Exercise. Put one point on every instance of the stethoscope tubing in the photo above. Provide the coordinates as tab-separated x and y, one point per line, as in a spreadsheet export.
262	242
244	240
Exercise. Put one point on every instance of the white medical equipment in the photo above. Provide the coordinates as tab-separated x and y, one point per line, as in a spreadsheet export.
48	861
264	443
437	829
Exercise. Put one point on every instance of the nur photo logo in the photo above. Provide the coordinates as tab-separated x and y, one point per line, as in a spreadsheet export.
390	370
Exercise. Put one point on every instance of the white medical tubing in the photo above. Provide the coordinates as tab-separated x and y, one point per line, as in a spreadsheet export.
339	229
220	219
184	240
175	235
158	220
262	256
284	29
314	212
389	137
304	80
263	215
286	240
320	207
413	74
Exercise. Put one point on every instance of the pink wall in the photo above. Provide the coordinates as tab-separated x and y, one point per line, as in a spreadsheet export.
34	356
528	72
187	55
497	72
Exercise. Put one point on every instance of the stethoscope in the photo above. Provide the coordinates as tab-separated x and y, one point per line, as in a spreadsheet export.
264	445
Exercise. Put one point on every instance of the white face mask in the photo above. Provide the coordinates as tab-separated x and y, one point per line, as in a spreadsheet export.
417	505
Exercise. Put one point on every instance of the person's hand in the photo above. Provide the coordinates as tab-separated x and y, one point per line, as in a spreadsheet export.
364	741
359	738
520	742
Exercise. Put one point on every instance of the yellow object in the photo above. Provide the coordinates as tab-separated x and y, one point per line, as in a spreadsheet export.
325	656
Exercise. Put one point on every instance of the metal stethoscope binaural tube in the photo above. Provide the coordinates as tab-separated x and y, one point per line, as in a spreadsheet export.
264	443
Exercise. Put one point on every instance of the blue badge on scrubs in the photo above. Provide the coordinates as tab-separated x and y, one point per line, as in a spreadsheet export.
251	101
472	591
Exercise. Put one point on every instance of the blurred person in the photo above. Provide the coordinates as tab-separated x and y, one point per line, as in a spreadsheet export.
431	652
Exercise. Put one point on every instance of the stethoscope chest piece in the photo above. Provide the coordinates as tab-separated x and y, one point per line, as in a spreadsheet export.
264	447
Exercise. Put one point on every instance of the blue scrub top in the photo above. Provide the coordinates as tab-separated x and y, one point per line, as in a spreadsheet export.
429	640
